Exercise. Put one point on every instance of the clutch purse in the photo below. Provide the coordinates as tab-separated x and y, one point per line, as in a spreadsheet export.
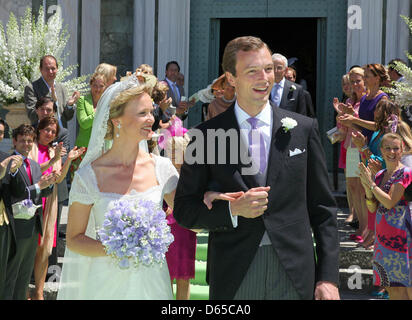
25	209
333	135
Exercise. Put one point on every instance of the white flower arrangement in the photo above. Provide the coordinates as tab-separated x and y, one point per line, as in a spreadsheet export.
21	49
292	87
288	123
402	91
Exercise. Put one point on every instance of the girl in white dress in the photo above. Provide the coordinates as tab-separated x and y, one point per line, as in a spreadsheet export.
125	172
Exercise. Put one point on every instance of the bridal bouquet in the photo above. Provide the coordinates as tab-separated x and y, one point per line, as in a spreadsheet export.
135	232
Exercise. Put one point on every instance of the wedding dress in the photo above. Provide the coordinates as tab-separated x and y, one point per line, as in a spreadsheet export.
100	278
88	278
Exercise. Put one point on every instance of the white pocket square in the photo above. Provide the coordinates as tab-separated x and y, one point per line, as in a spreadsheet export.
295	152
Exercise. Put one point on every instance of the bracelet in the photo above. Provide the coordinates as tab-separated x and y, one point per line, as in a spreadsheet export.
364	148
373	186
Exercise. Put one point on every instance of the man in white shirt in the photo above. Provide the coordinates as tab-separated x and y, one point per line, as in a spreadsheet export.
287	94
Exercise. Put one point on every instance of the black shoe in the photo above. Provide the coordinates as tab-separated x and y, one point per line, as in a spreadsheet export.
354	224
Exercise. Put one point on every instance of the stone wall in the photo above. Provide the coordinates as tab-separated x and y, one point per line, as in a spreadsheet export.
116	34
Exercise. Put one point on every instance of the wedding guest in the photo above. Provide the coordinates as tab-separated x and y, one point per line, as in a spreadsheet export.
28	181
225	96
45	107
86	109
286	94
8	165
182	252
49	159
290	74
176	92
394	74
108	71
339	108
375	76
349	157
142	70
163	109
2	128
47	85
393	241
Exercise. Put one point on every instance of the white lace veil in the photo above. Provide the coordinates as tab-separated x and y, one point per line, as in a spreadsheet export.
98	145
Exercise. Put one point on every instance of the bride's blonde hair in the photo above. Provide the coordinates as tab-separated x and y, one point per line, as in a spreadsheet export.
118	104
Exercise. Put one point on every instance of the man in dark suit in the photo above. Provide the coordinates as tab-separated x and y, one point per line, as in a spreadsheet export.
260	243
28	180
176	91
47	86
8	164
287	94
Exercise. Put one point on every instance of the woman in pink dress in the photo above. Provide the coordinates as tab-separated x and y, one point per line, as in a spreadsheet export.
49	159
349	157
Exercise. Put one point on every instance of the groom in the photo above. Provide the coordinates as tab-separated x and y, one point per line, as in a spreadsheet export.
260	244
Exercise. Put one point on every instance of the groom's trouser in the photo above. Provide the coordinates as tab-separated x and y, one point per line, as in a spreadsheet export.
266	279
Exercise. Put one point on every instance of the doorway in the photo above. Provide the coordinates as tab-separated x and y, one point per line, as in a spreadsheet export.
291	37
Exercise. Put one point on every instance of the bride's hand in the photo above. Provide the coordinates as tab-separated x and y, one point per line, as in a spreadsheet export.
211	196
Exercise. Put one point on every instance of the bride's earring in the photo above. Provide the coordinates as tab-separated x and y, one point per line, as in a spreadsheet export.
118	131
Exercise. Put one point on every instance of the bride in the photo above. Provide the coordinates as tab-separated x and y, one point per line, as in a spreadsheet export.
125	172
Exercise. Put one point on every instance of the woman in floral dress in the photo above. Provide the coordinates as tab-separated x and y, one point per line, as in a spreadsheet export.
392	259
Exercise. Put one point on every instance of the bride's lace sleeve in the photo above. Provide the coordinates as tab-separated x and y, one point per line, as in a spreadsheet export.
82	189
167	174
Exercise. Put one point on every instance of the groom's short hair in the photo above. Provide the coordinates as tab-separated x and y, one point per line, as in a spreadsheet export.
247	43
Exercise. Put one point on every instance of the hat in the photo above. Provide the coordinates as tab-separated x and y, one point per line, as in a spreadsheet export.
219	82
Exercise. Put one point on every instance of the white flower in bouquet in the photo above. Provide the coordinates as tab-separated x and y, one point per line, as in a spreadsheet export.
21	49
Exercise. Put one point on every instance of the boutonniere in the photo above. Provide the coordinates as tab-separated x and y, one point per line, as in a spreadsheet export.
288	124
292	88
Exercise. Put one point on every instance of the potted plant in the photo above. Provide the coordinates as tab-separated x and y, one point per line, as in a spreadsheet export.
21	48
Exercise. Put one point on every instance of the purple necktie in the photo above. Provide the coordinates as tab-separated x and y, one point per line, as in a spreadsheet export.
257	145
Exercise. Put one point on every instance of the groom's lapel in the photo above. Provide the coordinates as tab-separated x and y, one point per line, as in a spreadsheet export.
278	146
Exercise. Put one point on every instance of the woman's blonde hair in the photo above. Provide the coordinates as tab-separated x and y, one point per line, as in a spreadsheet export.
118	104
145	68
96	76
404	132
107	70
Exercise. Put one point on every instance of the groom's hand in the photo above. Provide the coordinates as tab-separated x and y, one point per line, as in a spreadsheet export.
252	204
